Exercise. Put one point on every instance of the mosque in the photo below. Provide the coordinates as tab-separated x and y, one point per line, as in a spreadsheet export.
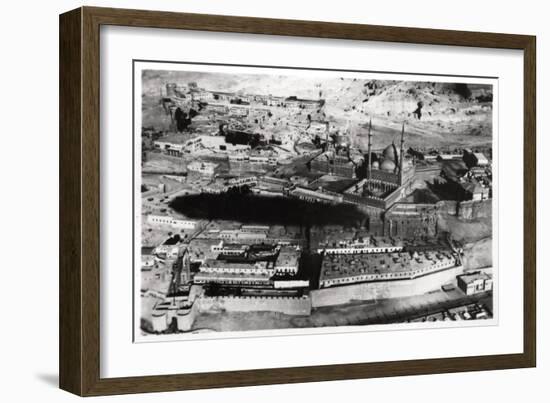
388	175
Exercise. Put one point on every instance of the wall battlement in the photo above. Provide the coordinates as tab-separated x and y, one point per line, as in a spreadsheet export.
286	305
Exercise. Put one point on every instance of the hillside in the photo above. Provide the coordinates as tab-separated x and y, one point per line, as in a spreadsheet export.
450	114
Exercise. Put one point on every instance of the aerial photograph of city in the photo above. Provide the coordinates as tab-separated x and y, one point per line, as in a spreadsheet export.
286	200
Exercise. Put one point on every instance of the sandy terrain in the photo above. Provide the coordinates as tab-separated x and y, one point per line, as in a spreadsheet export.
451	115
478	254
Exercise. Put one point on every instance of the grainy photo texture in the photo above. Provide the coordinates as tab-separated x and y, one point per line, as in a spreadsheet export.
286	200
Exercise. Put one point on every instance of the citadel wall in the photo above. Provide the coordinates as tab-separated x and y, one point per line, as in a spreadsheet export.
467	210
286	305
383	289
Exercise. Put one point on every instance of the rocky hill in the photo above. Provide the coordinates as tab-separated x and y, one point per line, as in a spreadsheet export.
435	113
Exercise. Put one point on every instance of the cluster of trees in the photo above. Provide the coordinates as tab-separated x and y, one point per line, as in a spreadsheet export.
239	190
244	138
182	119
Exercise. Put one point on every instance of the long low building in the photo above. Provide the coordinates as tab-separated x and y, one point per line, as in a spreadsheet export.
341	269
222	267
173	222
473	283
398	288
213	143
360	246
234	279
320	196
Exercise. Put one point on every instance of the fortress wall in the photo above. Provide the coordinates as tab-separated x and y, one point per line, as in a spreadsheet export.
382	290
466	210
186	317
448	207
286	305
471	209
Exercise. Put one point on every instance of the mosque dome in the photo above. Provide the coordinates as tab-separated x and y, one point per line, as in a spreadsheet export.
391	152
375	165
388	165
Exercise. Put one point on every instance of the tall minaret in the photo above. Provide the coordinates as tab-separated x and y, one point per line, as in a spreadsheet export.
327	131
402	154
369	164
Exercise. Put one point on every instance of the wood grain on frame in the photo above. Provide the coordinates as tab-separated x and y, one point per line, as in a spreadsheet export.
79	200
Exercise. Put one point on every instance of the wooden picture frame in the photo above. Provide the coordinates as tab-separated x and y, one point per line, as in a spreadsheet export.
79	348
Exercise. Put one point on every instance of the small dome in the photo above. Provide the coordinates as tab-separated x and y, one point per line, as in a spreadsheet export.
341	139
388	165
375	165
391	152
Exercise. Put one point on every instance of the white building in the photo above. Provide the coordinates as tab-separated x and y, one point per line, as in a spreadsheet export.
221	266
246	180
147	261
481	159
203	168
169	146
282	284
288	260
173	222
357	247
473	283
202	95
232	249
170	251
215	144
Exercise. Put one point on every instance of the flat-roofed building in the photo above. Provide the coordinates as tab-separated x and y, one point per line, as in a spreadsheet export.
167	251
287	260
234	273
171	221
202	249
259	229
473	159
319	196
474	283
360	245
232	279
342	269
213	143
245	180
244	268
220	108
234	249
271	183
147	261
203	168
295	103
173	145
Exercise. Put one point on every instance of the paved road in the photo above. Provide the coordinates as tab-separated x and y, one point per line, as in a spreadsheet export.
390	310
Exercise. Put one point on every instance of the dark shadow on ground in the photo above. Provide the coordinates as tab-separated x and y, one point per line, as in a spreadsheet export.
247	208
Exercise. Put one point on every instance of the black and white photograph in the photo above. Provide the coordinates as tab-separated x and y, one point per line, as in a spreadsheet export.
286	199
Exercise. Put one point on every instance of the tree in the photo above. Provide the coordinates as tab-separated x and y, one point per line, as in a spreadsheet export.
182	121
317	141
418	111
